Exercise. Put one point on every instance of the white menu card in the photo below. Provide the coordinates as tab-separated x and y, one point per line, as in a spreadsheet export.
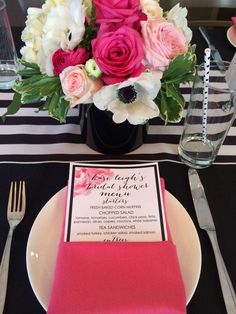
114	203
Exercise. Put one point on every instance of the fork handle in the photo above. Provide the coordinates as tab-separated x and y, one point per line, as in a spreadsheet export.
225	282
4	267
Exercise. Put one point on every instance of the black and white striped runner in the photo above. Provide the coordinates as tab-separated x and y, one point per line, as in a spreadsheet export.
29	136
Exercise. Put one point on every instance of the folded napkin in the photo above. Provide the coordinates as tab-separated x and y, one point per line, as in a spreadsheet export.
117	277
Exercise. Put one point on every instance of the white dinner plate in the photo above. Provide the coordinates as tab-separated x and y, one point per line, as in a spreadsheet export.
45	235
231	35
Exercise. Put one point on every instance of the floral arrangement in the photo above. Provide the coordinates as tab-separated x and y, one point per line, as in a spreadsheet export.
127	56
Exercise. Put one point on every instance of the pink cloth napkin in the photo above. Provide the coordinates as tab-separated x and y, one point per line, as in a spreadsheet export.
117	277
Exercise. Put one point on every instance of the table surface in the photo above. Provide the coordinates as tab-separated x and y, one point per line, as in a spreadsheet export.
37	149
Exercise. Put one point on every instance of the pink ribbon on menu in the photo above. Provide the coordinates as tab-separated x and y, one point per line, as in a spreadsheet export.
117	278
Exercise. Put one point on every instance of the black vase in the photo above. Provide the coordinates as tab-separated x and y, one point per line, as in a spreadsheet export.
103	135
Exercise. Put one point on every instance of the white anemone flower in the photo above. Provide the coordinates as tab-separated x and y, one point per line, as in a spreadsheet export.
131	100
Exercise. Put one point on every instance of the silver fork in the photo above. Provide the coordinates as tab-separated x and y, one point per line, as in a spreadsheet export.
15	213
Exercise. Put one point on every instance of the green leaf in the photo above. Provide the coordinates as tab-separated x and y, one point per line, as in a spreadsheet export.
181	69
43	84
13	107
28	64
26	84
28	72
57	106
63	109
173	92
170	110
49	88
30	97
45	105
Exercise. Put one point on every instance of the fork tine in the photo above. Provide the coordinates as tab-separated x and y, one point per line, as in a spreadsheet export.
9	206
19	197
23	203
14	197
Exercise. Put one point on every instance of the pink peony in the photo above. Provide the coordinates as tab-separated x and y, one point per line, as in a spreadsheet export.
61	59
119	54
87	178
119	12
162	43
77	86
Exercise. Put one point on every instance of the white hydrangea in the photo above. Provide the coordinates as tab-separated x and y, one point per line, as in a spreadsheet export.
177	15
49	4
58	24
32	34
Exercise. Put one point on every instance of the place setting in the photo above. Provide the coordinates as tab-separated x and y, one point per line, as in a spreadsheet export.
110	128
41	257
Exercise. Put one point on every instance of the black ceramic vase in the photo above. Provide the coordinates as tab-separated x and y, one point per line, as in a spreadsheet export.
103	135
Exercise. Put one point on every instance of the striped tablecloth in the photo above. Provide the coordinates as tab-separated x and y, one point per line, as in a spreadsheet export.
29	136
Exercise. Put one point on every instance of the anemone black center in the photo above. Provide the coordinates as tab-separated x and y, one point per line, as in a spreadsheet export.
127	94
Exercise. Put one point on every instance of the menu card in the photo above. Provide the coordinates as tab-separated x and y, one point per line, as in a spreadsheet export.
115	203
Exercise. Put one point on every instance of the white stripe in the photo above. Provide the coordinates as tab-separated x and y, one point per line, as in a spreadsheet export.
6	96
38	130
165	129
33	112
75	149
214	98
45	149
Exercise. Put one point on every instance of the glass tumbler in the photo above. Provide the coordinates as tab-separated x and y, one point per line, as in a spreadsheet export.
207	122
8	56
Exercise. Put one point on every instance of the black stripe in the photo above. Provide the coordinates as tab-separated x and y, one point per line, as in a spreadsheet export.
71	205
81	157
17	120
151	156
157	138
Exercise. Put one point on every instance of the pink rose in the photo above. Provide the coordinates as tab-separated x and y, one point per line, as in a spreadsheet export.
121	12
77	86
162	43
119	54
61	59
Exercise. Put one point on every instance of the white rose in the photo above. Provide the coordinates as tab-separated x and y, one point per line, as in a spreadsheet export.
177	15
152	9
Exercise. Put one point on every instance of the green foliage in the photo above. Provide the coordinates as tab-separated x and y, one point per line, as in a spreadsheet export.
90	31
169	99
33	89
181	69
56	105
28	64
13	107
